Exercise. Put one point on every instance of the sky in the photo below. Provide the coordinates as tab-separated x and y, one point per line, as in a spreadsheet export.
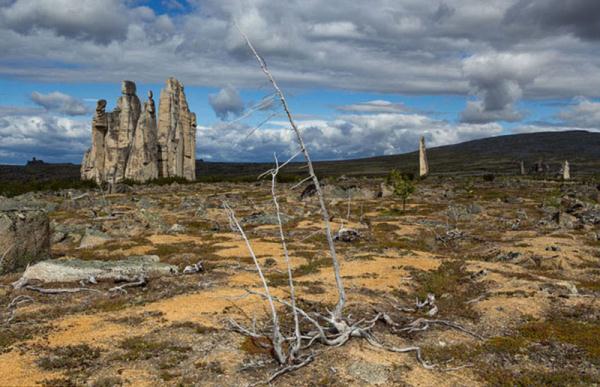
363	78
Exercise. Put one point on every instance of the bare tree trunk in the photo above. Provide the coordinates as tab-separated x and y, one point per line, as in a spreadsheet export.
337	314
298	345
277	337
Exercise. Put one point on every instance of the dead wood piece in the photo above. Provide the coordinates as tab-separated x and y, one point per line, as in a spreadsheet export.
60	290
141	281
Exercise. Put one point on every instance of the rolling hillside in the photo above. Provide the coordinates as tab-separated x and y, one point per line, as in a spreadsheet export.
499	155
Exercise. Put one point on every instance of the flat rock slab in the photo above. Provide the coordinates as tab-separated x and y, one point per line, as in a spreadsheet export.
72	270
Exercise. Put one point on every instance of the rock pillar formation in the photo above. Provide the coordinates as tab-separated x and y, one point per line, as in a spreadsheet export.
129	143
522	164
143	157
566	171
423	164
176	133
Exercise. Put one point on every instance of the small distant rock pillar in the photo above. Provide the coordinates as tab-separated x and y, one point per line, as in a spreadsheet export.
423	164
566	171
522	166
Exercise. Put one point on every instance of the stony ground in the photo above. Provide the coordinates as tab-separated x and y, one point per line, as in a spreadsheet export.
515	260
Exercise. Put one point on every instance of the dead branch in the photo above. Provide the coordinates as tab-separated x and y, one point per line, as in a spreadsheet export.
277	338
298	344
336	264
60	290
141	281
14	304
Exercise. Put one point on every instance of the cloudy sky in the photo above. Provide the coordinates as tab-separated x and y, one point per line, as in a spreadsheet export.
364	78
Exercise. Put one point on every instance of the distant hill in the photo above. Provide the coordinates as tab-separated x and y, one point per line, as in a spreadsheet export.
499	155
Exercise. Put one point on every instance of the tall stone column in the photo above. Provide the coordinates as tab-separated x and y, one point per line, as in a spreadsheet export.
566	171
176	134
423	164
92	167
122	124
142	164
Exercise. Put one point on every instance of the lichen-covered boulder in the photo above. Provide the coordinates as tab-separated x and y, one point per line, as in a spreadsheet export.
24	238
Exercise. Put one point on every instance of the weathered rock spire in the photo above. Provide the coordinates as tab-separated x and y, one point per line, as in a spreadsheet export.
129	143
522	165
143	157
176	133
423	164
566	171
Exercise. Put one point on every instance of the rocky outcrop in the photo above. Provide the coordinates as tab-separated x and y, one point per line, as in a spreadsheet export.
176	133
24	238
423	164
131	143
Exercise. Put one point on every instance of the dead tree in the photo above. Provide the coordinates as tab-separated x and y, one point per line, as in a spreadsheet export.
332	329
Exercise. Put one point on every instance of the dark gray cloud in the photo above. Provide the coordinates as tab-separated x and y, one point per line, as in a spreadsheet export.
60	103
375	106
407	47
498	81
226	103
99	21
543	17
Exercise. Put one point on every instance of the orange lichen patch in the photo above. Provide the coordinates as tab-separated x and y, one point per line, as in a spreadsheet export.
88	329
20	370
502	310
173	239
204	306
419	376
136	250
379	273
239	249
138	377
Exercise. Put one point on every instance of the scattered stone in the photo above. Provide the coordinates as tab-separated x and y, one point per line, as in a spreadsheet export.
309	190
261	218
177	228
195	268
347	235
24	238
74	270
385	191
370	373
93	238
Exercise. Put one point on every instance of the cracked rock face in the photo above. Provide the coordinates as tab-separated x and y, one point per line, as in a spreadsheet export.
132	143
24	238
176	133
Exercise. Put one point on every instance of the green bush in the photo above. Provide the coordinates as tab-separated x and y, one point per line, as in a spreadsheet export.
401	184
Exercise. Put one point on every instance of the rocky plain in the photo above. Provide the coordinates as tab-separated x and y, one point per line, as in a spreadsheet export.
137	287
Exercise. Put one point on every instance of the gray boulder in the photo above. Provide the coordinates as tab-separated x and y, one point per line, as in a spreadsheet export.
73	270
24	238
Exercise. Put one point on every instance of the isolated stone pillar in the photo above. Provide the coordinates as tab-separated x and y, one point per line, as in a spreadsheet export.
522	165
423	164
566	170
